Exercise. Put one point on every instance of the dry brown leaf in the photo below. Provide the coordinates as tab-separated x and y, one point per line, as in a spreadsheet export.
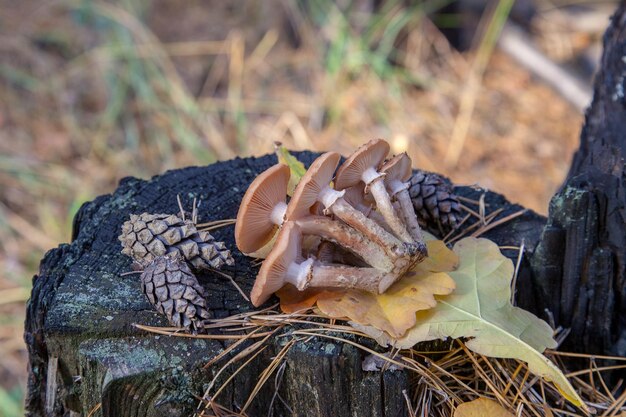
482	407
292	300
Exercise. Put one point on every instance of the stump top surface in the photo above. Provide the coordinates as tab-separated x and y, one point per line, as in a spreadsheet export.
82	310
93	297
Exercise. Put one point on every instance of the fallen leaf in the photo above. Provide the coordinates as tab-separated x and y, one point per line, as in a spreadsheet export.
295	166
480	309
393	311
292	300
440	258
481	407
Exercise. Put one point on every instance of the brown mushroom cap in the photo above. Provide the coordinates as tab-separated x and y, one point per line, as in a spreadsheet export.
367	156
254	227
355	196
273	272
397	168
317	177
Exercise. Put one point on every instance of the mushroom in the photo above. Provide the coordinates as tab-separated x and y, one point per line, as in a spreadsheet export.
397	172
314	187
362	166
263	210
285	265
329	253
356	197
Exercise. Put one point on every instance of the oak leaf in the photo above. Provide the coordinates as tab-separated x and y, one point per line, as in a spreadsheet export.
481	407
480	309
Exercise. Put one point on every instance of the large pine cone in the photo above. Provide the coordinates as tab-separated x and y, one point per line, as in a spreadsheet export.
173	290
438	208
146	236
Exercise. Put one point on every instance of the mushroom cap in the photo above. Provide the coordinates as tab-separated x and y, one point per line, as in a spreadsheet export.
318	176
254	227
356	196
367	156
325	252
397	168
271	276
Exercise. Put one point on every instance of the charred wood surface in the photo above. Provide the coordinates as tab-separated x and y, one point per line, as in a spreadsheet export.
579	265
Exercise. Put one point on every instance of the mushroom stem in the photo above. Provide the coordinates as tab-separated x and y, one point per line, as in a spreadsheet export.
394	248
348	238
406	207
299	274
378	218
278	213
355	199
384	206
367	279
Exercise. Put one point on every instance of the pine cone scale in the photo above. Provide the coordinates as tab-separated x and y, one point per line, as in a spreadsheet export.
174	291
147	236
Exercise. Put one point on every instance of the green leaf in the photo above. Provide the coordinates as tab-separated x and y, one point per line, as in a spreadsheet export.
295	166
480	309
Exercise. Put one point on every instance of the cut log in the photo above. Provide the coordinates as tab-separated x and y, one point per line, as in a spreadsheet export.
85	353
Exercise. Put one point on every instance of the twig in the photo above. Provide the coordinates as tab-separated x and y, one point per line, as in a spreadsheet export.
94	410
217	224
13	295
516	272
498	223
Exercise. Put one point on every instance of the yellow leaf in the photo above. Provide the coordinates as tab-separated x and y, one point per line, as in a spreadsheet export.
440	258
393	311
481	407
480	309
296	167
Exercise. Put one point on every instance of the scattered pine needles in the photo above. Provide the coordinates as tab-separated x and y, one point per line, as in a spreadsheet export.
440	380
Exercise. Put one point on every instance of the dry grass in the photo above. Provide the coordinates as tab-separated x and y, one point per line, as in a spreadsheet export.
94	91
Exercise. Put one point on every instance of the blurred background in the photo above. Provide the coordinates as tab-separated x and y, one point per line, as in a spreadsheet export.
485	92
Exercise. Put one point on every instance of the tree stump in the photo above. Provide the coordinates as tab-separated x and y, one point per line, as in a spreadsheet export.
86	353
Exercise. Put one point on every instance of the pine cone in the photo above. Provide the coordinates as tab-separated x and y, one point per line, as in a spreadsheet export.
173	290
146	236
438	208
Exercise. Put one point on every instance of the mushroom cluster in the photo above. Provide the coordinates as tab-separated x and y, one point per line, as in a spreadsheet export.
352	227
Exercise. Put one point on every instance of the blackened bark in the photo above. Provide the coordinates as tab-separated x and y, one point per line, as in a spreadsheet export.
579	264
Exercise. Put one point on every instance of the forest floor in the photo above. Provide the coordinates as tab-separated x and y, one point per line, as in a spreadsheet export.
91	92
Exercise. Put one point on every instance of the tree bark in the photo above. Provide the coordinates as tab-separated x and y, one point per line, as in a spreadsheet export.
579	265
